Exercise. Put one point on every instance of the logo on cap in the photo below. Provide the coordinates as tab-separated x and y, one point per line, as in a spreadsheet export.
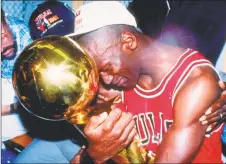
42	24
46	20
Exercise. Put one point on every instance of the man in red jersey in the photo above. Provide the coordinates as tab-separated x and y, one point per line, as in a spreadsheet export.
167	89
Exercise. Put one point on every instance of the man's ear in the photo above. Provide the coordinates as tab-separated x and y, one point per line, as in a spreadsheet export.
129	41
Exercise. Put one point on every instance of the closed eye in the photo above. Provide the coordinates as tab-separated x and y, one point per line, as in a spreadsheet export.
107	68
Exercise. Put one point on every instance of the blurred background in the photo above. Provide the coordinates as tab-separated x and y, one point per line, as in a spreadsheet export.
200	25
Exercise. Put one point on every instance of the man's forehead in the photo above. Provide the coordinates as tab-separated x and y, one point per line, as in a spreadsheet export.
100	59
95	47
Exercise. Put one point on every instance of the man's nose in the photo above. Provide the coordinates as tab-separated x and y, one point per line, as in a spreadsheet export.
106	77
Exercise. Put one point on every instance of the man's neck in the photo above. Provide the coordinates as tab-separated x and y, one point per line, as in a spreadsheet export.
157	60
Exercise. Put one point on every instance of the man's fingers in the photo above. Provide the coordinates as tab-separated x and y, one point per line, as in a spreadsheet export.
206	118
122	124
113	117
221	101
130	137
95	121
216	106
127	131
215	117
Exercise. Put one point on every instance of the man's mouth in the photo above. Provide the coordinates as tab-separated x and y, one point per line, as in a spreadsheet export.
121	82
8	51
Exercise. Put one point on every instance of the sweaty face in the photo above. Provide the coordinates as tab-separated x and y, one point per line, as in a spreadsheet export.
117	76
117	69
7	47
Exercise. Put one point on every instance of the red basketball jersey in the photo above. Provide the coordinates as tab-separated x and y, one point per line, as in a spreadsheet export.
153	109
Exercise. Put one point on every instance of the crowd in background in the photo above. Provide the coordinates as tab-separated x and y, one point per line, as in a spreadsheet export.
169	22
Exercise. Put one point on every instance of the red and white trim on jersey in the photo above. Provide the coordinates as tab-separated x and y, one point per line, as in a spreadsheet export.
153	109
187	55
187	73
184	77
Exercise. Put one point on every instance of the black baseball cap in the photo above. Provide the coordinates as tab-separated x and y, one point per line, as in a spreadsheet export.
51	18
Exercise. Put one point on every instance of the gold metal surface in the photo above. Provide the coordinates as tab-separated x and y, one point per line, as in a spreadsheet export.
54	76
55	79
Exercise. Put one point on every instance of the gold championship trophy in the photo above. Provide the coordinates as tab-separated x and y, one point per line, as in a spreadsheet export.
55	79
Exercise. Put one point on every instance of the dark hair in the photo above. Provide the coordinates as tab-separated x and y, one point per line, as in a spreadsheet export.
3	17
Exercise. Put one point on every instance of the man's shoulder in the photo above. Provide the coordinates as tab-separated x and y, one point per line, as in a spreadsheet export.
194	64
199	77
203	74
204	71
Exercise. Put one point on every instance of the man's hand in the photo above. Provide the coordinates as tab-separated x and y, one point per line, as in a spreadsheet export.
217	112
5	110
9	109
109	134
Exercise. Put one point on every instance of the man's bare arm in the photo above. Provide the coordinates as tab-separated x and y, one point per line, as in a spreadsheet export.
198	92
217	112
